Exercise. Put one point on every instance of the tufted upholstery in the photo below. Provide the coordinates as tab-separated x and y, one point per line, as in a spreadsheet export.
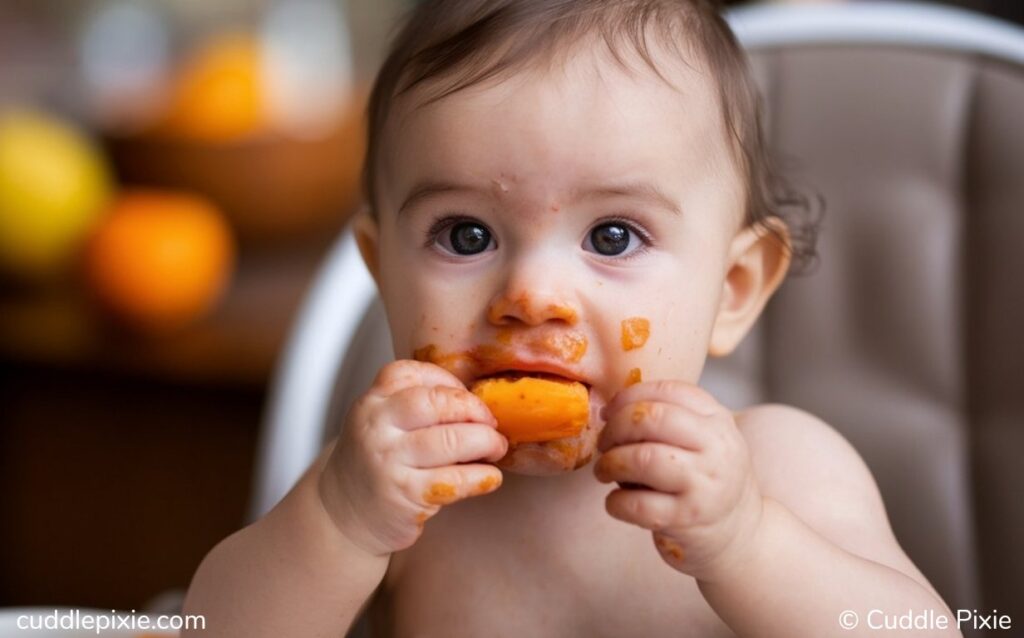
908	336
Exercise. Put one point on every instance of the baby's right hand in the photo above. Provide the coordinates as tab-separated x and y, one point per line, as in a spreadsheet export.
407	449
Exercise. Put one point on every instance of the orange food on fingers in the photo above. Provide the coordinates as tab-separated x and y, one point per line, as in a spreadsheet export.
635	377
533	409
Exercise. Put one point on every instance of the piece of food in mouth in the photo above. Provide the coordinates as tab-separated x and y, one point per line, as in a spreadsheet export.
535	408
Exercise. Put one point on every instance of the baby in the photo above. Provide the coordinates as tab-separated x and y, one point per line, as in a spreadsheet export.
578	189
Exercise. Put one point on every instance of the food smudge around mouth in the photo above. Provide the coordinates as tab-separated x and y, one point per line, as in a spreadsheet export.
635	332
569	346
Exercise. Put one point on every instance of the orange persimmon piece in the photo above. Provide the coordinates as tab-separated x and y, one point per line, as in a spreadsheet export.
533	409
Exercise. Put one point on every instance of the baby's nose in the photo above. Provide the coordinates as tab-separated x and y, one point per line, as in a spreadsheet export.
530	308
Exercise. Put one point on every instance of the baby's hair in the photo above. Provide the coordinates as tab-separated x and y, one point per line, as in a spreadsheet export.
455	44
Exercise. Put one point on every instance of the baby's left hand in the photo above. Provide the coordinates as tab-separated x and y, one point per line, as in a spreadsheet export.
703	504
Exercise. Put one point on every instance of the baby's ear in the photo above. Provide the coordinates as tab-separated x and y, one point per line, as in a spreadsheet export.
758	262
367	233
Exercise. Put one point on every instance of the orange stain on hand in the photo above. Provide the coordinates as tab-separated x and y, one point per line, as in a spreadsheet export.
489	484
639	413
421	518
440	494
635	332
634	377
669	547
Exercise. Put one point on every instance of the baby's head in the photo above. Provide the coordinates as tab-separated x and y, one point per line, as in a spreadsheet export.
571	186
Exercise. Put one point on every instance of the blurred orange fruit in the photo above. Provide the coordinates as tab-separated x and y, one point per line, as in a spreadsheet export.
220	92
160	259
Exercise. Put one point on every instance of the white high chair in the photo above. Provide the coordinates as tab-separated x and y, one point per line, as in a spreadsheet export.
907	118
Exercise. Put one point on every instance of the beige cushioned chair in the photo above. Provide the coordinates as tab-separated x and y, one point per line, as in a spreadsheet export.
907	338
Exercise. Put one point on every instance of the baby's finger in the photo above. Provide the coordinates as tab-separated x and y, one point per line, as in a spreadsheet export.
450	444
420	406
687	395
661	467
445	485
406	373
654	421
645	508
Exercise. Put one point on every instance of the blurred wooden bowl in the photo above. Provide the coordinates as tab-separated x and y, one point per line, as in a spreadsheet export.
275	189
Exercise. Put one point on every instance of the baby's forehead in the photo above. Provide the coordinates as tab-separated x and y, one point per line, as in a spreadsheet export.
591	111
590	67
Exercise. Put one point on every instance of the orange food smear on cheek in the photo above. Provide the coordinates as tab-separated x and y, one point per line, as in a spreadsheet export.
440	494
634	377
454	362
635	332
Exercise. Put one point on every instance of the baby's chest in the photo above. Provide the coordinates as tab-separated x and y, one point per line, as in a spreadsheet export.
601	581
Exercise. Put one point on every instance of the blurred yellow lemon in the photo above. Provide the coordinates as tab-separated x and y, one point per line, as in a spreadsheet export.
160	259
220	92
53	184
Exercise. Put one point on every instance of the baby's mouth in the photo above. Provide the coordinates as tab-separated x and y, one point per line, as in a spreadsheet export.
513	374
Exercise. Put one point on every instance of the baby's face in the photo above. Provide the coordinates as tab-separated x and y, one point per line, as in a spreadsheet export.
578	223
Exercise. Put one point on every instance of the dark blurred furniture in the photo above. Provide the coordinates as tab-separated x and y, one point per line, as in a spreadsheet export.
124	460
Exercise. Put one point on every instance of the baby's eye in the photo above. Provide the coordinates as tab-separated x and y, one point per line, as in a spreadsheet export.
463	237
614	238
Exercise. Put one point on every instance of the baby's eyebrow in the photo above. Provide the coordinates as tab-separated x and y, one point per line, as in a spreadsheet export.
637	189
431	187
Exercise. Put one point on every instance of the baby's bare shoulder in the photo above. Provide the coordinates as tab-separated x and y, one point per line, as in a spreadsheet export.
806	465
803	462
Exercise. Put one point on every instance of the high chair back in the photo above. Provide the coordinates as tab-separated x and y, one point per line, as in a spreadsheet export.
907	338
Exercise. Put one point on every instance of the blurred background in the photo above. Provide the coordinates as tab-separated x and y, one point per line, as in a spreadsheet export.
171	174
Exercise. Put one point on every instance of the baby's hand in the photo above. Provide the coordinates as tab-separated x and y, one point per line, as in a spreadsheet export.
404	451
703	503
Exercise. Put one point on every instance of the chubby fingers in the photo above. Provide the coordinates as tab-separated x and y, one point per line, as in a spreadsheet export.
661	467
445	485
406	373
653	421
452	443
645	508
682	393
420	406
